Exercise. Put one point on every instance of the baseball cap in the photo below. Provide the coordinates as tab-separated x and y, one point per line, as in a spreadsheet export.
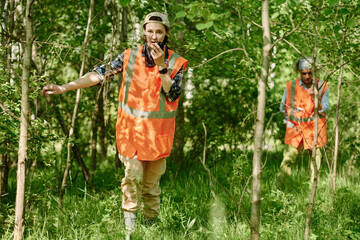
164	19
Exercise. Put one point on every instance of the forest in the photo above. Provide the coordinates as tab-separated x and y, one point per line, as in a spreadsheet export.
60	174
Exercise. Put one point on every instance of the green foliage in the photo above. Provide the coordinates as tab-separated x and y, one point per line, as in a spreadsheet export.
188	210
221	94
124	2
9	127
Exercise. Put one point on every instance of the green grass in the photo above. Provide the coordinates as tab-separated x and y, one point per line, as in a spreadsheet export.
189	210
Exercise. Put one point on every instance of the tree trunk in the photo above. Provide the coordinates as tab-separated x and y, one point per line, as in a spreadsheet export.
316	116
336	148
71	131
179	141
4	174
87	175
11	30
4	11
23	144
97	123
94	130
259	127
101	124
123	40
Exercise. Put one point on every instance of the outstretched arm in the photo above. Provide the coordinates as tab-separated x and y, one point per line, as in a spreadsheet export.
87	80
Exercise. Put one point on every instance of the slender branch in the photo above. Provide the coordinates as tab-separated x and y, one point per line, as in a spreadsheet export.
72	48
230	50
339	67
286	41
243	192
244	46
256	111
212	177
11	36
5	109
289	33
352	72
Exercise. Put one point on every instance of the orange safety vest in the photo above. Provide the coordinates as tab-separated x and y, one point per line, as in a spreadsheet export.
300	110
146	119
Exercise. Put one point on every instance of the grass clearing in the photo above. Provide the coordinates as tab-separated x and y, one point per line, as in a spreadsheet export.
188	210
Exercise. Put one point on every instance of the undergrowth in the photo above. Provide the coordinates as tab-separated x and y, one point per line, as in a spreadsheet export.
192	208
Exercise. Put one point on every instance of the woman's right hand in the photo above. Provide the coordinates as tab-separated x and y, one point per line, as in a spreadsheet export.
52	89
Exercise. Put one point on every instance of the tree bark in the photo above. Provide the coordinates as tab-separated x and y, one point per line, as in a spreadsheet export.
259	127
4	174
101	124
78	92
124	26
4	11
316	116
179	141
87	175
94	130
123	40
23	144
336	147
97	123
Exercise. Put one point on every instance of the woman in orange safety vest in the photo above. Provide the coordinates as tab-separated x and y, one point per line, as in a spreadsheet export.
148	100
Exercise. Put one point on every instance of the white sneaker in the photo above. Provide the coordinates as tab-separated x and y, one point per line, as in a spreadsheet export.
130	222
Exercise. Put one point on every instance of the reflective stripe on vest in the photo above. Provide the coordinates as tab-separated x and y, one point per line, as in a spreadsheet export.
292	104
162	113
129	72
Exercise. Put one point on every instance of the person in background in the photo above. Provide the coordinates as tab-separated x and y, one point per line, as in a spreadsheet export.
297	106
148	100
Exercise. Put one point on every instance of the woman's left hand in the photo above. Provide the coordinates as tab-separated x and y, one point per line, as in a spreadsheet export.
158	55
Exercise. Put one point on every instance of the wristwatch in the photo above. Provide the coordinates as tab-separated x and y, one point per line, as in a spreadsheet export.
163	71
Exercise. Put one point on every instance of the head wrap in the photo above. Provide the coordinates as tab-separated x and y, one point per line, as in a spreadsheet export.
305	63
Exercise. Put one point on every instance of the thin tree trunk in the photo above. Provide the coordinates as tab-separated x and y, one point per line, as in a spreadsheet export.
4	174
4	11
87	175
123	40
101	124
11	30
97	121
259	127
94	130
179	141
316	116
336	148
23	144
71	131
124	26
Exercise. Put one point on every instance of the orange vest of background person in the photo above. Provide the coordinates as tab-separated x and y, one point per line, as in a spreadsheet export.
300	111
146	119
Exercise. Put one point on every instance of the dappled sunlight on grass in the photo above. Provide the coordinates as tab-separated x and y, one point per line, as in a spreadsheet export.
189	210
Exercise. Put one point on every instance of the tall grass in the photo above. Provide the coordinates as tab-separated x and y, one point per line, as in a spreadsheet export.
189	210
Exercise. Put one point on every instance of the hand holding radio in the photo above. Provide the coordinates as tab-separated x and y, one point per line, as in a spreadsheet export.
158	54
